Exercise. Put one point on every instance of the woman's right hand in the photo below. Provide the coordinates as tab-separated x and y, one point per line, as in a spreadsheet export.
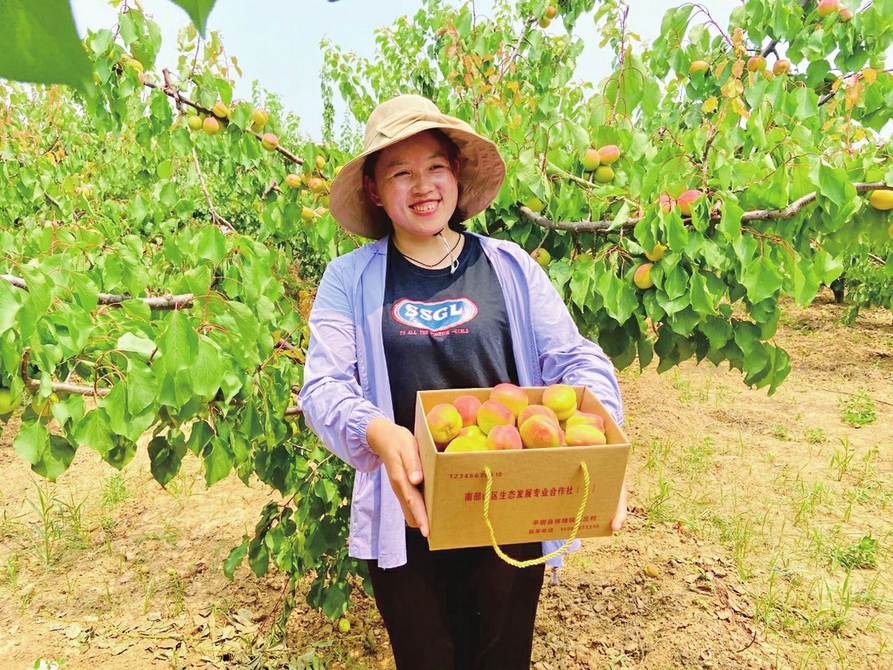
399	451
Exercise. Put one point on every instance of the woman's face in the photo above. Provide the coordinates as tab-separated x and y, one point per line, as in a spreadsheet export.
416	185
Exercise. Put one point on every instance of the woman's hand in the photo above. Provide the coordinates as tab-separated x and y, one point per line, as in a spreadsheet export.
620	514
399	451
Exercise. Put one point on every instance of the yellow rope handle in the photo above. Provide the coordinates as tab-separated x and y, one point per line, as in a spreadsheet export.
541	559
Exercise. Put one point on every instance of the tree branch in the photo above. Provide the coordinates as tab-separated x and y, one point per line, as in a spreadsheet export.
172	92
755	215
160	302
215	217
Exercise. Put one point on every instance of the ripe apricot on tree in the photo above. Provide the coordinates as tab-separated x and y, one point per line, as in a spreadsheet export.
211	125
827	7
316	184
686	200
608	154
307	214
698	66
269	141
534	204
551	11
603	174
591	159
881	199
782	66
665	202
259	119
756	64
194	122
656	253
642	277
845	13
541	256
221	110
545	22
8	401
293	180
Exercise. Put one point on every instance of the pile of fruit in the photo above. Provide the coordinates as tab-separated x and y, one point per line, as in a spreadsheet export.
508	420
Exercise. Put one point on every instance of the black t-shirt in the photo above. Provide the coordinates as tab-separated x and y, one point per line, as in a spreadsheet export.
444	330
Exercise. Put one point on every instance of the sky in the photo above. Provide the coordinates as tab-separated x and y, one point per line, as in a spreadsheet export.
277	42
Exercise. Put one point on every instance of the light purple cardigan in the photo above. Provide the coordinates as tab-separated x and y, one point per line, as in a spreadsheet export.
346	381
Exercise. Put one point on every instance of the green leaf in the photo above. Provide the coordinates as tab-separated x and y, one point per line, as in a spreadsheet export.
41	44
258	557
94	431
9	305
234	560
179	343
761	278
198	11
165	455
49	455
218	461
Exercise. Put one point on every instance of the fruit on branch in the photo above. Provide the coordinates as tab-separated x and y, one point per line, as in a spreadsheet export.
211	125
665	202
608	154
259	119
561	399
221	110
686	200
41	406
534	204
269	141
642	277
194	122
551	11
845	13
782	66
698	66
591	159
541	256
545	22
320	162
656	253
130	61
827	7
307	214
316	184
8	401
293	180
756	64
603	174
881	199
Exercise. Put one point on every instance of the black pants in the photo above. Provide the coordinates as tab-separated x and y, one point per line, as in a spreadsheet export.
459	609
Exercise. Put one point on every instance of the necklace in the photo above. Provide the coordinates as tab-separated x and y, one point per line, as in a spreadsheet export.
449	253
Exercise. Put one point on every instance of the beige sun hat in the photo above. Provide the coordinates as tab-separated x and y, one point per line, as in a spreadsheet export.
481	168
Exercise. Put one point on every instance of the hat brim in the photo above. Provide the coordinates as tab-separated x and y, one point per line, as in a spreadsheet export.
481	173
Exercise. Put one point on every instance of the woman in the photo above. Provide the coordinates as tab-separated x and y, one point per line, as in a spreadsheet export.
378	336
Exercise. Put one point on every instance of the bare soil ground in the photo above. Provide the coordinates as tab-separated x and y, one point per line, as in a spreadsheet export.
767	518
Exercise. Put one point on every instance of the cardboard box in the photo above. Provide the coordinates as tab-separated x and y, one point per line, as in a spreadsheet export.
536	493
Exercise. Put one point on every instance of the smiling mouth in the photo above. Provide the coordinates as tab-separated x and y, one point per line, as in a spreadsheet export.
424	207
